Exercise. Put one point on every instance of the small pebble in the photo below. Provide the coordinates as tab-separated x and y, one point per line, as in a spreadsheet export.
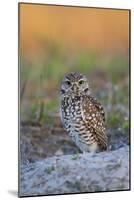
59	152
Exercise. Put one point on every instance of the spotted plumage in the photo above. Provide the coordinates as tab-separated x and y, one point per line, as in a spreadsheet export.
82	115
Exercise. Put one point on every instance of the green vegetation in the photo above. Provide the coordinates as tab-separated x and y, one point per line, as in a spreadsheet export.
108	75
75	156
115	120
126	125
50	169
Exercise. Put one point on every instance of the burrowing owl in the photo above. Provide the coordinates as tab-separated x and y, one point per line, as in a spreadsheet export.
82	115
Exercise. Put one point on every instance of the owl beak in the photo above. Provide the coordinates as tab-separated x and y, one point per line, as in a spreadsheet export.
75	88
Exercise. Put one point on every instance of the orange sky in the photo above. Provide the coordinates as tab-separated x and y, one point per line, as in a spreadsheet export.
101	29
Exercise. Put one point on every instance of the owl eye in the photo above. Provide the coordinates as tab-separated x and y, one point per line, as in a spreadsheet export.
86	90
81	82
68	83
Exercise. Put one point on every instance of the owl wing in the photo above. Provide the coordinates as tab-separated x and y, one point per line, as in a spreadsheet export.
98	106
94	117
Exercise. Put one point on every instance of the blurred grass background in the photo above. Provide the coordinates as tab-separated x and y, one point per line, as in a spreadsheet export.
55	40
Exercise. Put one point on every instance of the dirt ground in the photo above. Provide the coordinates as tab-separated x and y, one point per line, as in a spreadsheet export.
39	142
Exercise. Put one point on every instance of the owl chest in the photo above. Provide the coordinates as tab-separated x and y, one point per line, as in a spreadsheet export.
72	115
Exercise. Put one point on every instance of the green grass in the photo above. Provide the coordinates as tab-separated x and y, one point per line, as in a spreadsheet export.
116	67
115	119
76	156
44	75
49	170
85	62
126	126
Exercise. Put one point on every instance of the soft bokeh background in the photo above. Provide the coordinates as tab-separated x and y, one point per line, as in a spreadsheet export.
55	40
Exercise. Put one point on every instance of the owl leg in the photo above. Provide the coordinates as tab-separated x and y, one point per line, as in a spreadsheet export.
93	147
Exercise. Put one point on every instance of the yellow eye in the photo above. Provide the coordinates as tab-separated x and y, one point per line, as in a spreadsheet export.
81	82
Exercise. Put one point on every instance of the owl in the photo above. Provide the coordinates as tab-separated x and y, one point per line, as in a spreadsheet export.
82	115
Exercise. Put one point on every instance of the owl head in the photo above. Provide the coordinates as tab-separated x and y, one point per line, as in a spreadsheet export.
75	83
